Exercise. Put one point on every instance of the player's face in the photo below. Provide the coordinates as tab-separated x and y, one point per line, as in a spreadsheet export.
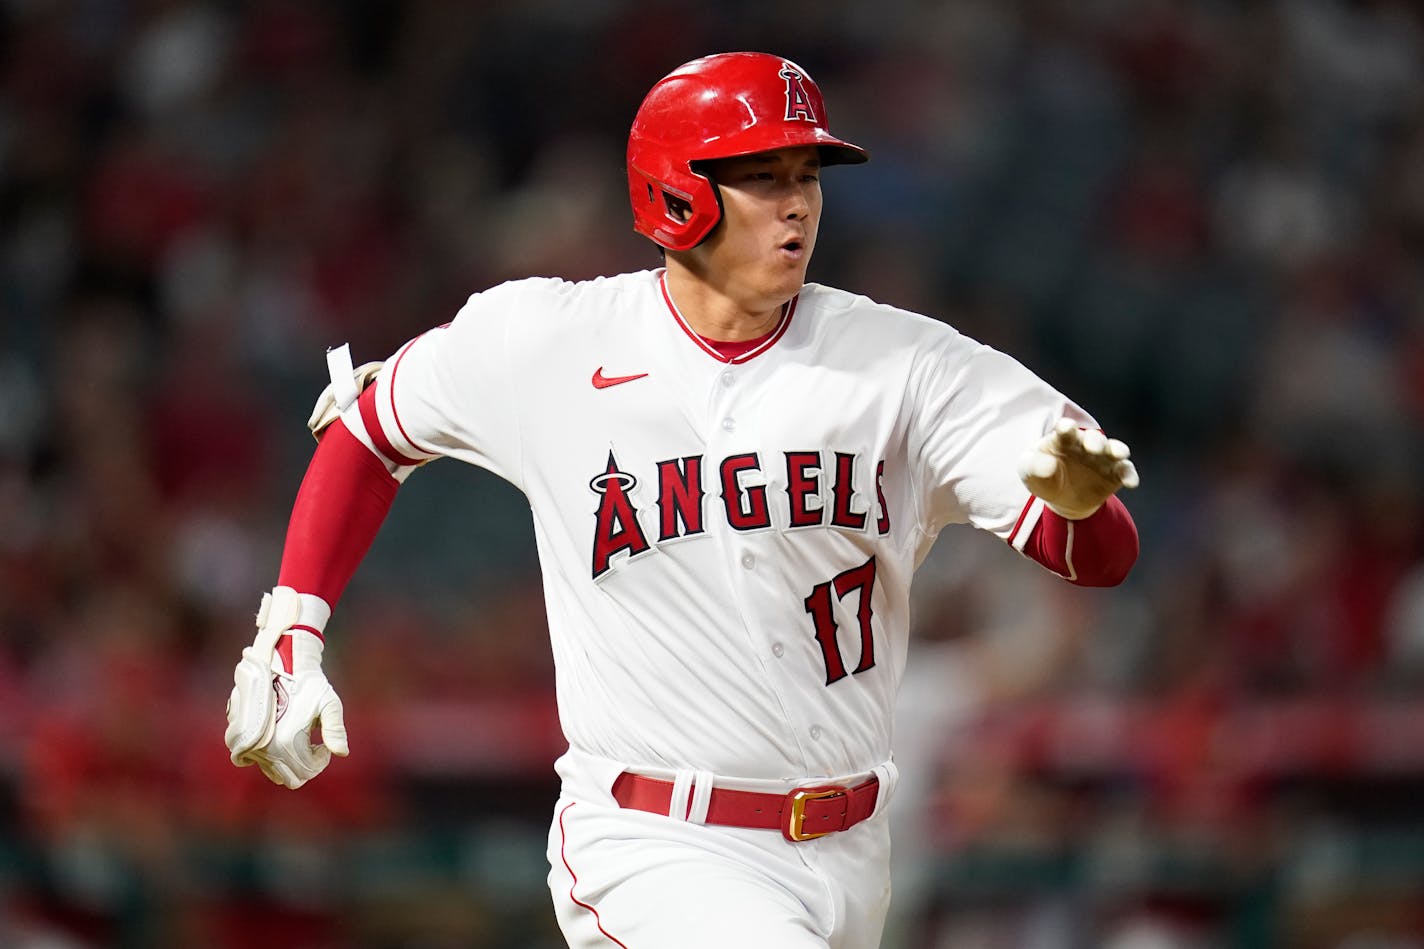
771	204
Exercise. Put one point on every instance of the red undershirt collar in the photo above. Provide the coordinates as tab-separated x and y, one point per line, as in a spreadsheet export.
731	349
732	352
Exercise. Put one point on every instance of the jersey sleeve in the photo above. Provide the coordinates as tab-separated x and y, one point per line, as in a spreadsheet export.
976	410
450	391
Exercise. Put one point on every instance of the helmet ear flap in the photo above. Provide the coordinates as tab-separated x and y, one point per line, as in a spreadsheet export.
678	214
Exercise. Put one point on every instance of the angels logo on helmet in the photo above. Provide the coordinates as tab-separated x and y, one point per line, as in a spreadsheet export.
798	102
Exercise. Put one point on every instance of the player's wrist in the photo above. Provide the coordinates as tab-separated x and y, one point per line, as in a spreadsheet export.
300	645
1073	512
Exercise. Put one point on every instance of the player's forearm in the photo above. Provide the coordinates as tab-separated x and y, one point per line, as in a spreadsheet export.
343	500
1097	551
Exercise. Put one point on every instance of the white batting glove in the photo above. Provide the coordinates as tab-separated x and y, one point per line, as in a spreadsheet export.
1075	470
273	710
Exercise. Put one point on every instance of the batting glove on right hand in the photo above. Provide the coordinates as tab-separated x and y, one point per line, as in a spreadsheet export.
1075	470
286	720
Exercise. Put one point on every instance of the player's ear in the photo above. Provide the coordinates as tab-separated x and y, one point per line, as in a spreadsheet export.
678	208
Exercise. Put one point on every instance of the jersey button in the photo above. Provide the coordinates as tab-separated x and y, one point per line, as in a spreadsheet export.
778	650
748	561
729	424
728	377
815	732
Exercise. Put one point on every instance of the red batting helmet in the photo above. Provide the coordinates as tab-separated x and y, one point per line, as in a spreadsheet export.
718	107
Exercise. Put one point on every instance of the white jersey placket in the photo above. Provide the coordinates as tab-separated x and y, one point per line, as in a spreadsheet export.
736	407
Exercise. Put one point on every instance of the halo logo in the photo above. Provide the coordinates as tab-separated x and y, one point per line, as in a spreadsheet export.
798	101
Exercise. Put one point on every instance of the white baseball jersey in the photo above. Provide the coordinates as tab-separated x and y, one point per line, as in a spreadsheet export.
726	545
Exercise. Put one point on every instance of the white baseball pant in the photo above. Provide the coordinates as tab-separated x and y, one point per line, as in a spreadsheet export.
627	878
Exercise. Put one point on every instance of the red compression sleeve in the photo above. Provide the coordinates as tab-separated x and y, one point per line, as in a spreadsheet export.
1097	551
342	502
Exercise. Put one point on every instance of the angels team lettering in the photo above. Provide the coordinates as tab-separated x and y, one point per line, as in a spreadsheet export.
818	490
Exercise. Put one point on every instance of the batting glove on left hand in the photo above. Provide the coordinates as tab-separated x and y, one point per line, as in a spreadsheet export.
286	720
1075	470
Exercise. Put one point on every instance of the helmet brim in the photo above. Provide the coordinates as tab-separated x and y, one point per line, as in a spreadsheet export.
843	153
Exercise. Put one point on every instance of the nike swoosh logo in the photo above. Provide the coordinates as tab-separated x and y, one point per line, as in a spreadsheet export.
600	381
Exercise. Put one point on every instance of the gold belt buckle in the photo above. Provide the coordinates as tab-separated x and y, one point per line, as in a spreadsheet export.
794	829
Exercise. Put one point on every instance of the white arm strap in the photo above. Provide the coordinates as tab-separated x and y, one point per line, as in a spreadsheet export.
343	376
338	400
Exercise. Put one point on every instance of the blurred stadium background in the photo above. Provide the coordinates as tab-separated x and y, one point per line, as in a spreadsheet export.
1204	220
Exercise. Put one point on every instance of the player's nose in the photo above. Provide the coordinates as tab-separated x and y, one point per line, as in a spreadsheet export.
796	206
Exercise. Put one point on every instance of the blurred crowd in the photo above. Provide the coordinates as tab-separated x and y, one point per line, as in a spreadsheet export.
1203	220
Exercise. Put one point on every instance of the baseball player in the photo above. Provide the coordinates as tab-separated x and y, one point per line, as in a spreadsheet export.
733	476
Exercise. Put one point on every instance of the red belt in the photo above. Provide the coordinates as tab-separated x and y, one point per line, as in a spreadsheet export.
800	814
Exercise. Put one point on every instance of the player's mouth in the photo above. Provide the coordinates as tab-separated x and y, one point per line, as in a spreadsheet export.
794	248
